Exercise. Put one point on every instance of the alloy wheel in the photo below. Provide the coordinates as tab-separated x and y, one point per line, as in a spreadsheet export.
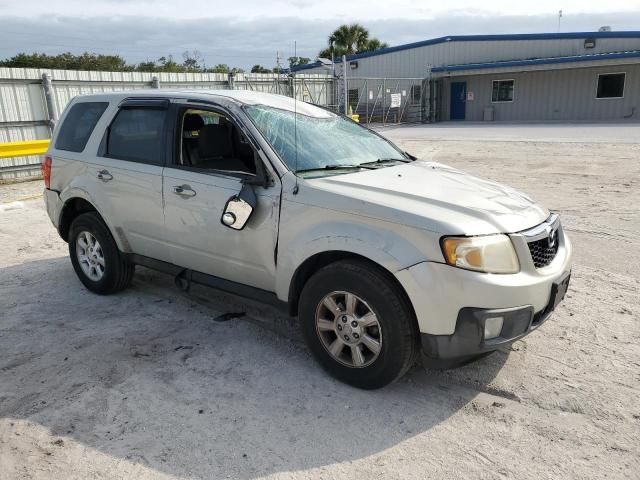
90	256
348	329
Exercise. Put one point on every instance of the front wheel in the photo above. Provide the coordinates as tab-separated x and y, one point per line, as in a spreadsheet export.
358	324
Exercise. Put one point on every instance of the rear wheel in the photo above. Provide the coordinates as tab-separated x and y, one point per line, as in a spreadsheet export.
358	324
95	256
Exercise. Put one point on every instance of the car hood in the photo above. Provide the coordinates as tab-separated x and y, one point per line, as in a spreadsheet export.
432	196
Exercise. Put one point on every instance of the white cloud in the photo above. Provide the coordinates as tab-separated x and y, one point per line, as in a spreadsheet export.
110	26
310	9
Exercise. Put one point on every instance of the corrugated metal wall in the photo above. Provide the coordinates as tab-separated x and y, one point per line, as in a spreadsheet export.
24	116
563	94
416	61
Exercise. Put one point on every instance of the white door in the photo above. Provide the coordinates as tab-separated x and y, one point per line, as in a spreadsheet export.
206	174
128	178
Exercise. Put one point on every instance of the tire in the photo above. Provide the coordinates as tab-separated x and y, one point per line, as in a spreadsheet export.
99	266
394	334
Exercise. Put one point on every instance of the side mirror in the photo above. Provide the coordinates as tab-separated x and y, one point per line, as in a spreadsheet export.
239	208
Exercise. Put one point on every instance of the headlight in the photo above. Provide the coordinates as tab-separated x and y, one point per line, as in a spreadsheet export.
489	253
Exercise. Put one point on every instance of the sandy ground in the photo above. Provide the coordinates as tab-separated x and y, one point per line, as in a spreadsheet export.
146	385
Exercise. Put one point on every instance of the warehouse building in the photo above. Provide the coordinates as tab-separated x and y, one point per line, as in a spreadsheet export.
578	76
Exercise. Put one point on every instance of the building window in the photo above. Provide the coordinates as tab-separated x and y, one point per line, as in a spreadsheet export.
354	97
502	91
610	85
416	94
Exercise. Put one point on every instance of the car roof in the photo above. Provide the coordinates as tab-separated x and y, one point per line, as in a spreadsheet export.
246	97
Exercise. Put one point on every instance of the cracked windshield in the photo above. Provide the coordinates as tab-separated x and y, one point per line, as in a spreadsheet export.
326	143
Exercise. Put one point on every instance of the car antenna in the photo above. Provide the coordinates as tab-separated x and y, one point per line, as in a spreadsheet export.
295	116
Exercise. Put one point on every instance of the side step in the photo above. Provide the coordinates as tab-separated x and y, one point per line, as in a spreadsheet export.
184	277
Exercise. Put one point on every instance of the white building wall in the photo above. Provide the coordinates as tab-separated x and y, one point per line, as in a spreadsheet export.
415	62
563	94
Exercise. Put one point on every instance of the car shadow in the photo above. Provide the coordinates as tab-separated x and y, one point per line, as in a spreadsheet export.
148	376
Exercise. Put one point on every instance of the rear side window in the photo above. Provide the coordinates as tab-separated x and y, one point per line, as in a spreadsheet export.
137	134
78	125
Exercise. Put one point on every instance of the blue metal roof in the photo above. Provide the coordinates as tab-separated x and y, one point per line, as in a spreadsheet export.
481	38
538	61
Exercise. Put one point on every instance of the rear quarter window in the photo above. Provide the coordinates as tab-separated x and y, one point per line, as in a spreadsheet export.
137	134
78	125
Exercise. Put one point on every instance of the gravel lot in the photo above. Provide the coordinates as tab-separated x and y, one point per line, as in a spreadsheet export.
146	385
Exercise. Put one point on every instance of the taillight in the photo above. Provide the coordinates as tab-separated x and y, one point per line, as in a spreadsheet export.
46	170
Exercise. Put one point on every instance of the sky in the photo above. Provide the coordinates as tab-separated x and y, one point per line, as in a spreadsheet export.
246	32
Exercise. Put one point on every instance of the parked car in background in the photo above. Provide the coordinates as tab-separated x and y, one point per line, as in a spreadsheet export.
381	256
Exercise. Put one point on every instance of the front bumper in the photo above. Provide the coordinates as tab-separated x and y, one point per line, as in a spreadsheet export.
451	303
468	338
439	291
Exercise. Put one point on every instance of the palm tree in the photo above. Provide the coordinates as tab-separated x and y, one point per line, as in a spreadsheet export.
374	44
350	39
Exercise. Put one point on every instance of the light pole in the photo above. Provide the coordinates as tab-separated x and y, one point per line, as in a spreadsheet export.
559	18
346	85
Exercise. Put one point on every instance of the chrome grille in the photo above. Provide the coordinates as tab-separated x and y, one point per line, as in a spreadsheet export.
543	241
543	251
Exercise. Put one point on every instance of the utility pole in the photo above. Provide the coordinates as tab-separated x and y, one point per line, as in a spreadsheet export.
278	71
559	18
346	86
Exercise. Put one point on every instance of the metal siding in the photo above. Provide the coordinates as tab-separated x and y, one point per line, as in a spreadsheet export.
567	95
413	62
23	114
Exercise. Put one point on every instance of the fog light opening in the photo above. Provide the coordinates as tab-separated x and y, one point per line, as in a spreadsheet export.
492	327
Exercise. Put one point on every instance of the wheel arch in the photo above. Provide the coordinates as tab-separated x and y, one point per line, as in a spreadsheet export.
72	208
319	260
76	204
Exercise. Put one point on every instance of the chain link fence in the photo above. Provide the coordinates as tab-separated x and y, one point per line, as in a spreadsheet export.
383	101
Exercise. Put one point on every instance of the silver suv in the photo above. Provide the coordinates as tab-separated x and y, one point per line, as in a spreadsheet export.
381	257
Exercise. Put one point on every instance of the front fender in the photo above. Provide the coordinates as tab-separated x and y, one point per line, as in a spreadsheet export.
306	231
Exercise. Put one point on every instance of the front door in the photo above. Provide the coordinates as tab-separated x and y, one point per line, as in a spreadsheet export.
458	100
213	159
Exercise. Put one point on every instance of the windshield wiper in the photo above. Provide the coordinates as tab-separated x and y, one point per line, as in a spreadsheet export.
385	160
334	167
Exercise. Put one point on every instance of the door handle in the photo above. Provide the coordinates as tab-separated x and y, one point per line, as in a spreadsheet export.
104	175
184	191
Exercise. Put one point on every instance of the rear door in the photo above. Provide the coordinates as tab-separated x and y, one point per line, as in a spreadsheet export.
213	157
128	175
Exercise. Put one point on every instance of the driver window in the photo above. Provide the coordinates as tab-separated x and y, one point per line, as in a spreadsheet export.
210	141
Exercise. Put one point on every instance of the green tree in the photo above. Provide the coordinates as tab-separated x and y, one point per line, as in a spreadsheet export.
349	40
168	64
259	69
68	61
191	61
220	68
373	44
147	66
295	61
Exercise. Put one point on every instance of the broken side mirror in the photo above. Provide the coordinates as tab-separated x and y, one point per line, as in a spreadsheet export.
239	208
